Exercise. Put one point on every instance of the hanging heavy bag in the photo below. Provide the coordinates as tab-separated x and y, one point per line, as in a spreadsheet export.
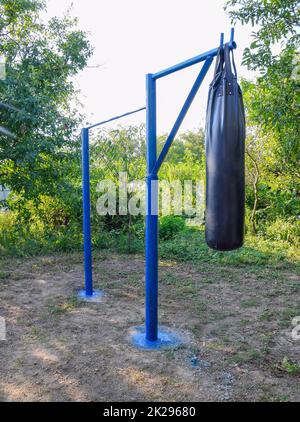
225	158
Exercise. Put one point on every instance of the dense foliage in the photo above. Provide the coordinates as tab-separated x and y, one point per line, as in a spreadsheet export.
273	111
40	155
38	97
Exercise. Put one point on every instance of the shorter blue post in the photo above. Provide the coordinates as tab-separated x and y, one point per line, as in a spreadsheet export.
86	202
222	40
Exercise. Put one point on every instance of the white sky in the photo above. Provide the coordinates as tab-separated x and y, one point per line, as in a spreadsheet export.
135	37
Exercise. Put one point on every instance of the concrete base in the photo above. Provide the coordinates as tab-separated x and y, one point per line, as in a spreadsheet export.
167	339
95	297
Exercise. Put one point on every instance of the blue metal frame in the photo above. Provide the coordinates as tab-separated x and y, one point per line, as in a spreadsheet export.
152	337
86	200
149	337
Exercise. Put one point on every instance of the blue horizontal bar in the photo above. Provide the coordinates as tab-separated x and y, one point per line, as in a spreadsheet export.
116	118
182	114
187	63
192	61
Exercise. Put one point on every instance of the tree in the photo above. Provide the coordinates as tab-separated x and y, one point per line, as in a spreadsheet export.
120	151
41	59
275	21
272	104
273	99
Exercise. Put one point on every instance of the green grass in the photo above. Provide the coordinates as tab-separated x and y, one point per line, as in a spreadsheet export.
250	303
186	245
190	245
64	307
267	315
289	367
3	275
242	357
287	314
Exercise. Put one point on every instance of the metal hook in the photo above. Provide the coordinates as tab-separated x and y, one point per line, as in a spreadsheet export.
232	43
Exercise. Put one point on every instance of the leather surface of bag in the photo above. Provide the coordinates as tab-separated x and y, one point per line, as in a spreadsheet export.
225	158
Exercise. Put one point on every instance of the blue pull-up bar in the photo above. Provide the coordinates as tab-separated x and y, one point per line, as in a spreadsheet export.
89	292
148	336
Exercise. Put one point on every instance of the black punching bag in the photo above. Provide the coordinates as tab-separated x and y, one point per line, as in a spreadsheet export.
225	158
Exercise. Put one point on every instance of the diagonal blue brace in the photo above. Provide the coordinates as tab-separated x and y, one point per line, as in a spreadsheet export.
182	114
152	336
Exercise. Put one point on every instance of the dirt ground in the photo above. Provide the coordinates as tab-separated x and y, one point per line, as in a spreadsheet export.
236	322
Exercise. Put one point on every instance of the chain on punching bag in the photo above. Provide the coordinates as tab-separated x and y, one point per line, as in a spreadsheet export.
225	157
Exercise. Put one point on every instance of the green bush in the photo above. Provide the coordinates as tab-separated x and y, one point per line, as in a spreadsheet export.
190	245
36	235
169	226
281	229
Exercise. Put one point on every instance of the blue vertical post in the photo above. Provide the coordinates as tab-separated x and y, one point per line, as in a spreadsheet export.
151	251
232	43
222	40
86	201
150	336
89	293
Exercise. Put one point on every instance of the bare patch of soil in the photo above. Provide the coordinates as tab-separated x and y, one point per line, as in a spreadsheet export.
236	321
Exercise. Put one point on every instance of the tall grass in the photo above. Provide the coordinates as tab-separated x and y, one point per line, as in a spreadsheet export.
177	242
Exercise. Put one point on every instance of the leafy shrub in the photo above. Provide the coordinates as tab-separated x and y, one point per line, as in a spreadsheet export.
23	238
169	226
281	229
190	245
